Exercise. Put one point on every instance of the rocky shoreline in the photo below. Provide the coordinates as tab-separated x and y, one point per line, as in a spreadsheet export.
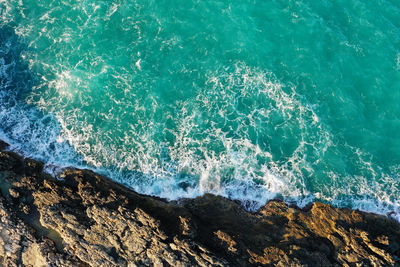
84	219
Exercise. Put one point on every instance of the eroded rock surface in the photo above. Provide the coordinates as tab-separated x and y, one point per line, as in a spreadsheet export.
84	219
20	245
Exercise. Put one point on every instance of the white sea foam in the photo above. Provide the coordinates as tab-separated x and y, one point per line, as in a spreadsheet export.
220	141
240	168
6	7
196	157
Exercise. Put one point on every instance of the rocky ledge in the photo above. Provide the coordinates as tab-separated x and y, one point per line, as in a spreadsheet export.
83	219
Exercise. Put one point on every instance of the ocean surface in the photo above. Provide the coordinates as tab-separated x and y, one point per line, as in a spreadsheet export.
253	100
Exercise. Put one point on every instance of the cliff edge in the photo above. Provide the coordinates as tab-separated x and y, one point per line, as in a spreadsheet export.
81	218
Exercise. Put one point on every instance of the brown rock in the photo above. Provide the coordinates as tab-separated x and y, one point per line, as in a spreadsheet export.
95	222
14	193
3	145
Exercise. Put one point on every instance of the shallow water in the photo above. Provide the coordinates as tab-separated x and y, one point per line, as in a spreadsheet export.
247	99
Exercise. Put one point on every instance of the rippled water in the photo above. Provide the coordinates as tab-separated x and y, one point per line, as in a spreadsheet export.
247	99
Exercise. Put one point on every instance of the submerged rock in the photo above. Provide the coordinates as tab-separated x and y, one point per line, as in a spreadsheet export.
87	220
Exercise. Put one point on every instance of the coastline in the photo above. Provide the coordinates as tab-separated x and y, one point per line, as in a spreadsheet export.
85	219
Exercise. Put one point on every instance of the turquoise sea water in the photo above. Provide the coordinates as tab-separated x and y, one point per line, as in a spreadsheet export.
247	99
